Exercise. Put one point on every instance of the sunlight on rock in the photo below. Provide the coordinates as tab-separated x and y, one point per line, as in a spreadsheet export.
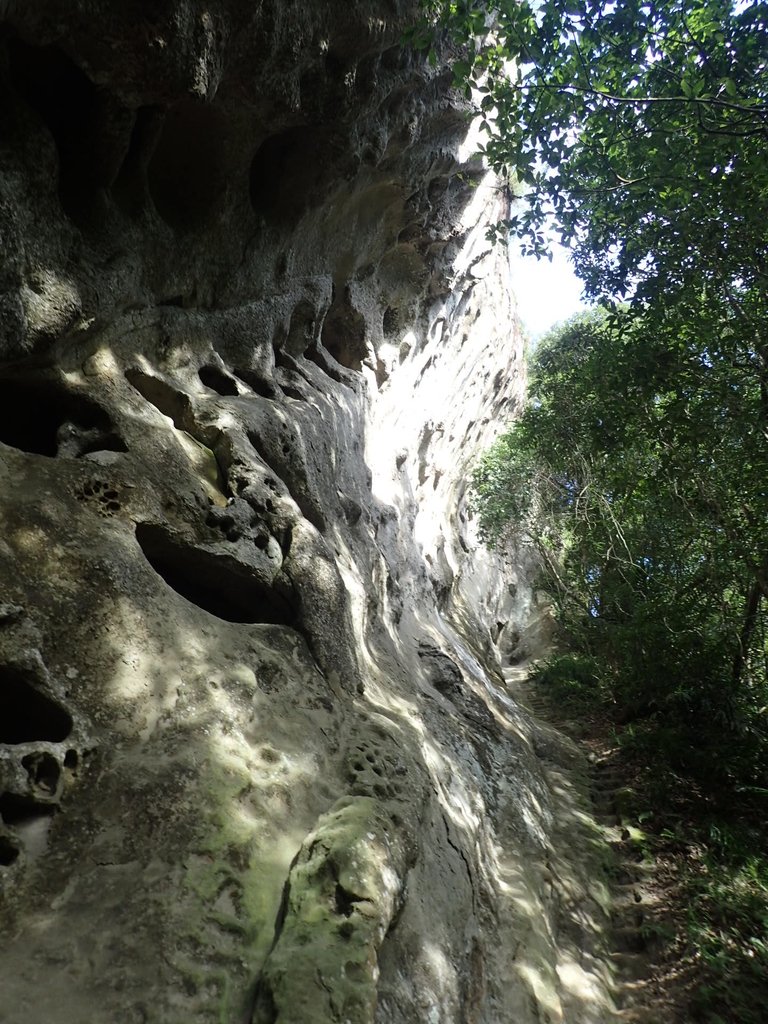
264	757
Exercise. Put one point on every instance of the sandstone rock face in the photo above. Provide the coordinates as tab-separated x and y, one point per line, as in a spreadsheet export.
257	761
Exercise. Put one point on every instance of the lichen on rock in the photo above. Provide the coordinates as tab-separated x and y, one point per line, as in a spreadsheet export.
342	893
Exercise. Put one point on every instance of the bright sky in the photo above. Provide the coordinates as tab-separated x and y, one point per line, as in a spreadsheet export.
546	292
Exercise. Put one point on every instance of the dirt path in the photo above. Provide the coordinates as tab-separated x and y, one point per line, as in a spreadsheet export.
638	937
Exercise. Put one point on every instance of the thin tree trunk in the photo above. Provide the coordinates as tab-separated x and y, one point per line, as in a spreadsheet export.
755	595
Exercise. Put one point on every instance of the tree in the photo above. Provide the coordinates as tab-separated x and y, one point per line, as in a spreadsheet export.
639	126
647	531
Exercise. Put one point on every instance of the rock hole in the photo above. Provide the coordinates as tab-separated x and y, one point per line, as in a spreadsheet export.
27	714
187	172
262	1008
344	332
293	171
89	128
319	358
257	383
130	185
166	399
283	262
20	810
345	901
382	373
301	332
223	588
8	852
217	380
71	760
42	418
355	972
391	320
291	392
43	770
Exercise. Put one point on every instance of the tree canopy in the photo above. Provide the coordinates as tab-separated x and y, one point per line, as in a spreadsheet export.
638	126
636	473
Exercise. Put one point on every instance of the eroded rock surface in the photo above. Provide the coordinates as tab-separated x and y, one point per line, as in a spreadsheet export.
257	759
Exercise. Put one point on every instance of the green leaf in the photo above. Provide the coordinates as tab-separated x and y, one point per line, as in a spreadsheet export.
730	87
461	72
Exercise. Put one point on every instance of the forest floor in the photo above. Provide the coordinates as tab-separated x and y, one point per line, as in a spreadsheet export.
657	970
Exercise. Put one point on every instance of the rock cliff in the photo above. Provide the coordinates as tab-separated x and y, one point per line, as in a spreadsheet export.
257	759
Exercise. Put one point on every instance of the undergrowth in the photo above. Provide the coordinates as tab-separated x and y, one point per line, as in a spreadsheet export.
572	680
727	922
714	827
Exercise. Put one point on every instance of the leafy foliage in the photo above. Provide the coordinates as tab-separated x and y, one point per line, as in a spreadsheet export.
728	925
639	469
571	679
641	127
638	474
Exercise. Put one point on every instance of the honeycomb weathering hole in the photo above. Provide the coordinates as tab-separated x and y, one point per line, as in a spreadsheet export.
26	714
217	380
187	173
69	104
294	170
18	810
43	418
43	770
212	582
8	852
